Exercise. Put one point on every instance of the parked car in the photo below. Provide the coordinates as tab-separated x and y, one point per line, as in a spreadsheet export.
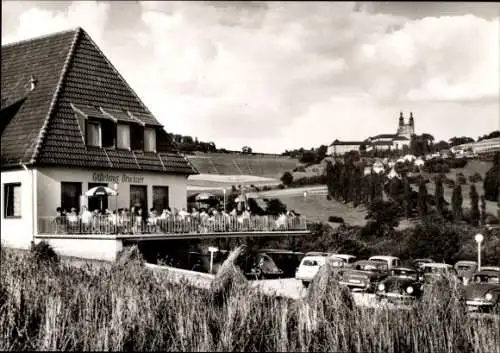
317	253
259	266
348	259
391	261
403	284
364	275
309	267
483	291
436	271
465	270
288	261
417	263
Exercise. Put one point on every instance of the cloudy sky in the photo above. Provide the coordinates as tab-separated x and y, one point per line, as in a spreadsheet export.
279	76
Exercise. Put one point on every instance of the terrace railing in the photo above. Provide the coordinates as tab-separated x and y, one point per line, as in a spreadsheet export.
104	224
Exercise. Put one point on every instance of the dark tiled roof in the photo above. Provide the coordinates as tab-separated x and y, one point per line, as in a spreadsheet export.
72	72
384	136
382	143
401	138
347	143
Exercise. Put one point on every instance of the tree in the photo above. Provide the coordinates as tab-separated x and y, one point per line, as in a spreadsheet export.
287	178
439	195
308	157
330	175
441	145
407	198
422	198
275	207
491	135
455	141
321	153
491	183
483	211
246	150
456	201
474	200
383	217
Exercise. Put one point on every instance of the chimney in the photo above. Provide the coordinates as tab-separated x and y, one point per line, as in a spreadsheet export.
33	83
401	119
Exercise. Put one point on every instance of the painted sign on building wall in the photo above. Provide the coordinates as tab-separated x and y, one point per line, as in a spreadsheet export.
102	177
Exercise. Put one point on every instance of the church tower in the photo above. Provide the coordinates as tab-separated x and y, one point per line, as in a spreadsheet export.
412	124
406	130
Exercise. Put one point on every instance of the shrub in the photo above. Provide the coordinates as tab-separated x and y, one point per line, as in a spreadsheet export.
281	186
287	178
449	183
44	253
275	207
491	182
460	178
491	219
300	168
455	163
475	178
335	219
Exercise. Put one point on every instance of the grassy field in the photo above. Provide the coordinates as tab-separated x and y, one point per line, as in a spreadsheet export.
239	164
129	307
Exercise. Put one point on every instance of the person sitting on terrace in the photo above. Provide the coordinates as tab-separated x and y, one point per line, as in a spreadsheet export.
152	217
164	214
72	216
86	218
234	212
195	213
60	220
183	214
282	220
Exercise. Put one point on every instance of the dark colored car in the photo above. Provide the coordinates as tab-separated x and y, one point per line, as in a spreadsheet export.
364	275
483	291
288	261
465	270
402	285
259	266
417	263
436	271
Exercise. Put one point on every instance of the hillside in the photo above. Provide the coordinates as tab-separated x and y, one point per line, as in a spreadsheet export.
269	166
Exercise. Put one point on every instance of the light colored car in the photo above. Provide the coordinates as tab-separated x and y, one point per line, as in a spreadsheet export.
348	259
308	268
391	261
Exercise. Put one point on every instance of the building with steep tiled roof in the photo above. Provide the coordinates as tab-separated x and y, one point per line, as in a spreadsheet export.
398	141
69	122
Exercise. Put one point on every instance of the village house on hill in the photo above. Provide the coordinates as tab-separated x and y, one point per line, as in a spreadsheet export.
69	123
382	142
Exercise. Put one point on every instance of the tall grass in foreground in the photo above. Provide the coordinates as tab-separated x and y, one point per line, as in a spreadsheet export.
51	306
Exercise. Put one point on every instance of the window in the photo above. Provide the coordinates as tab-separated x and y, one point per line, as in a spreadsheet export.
93	133
139	196
97	203
123	136
70	196
136	137
108	133
12	200
160	198
149	140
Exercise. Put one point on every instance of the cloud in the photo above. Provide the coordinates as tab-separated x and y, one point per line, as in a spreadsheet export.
35	21
283	75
